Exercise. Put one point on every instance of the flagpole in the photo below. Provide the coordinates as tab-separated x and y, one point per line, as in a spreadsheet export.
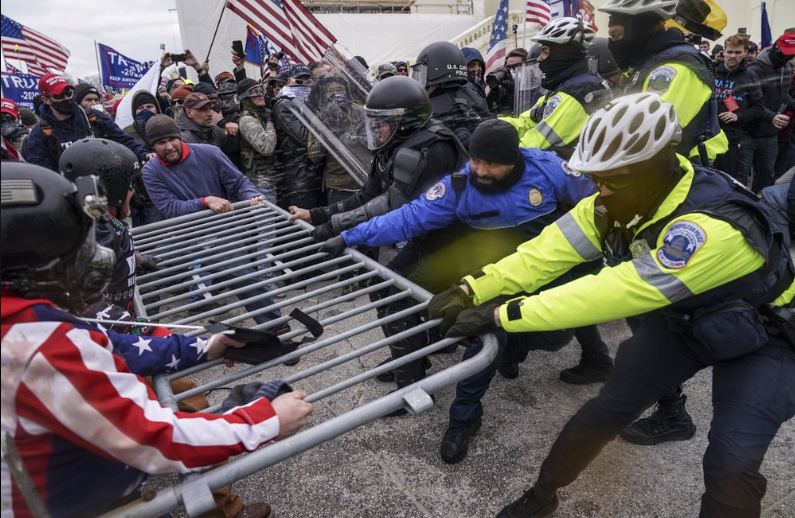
99	67
216	32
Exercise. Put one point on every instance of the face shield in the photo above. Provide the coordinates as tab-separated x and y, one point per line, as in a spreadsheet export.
527	86
382	126
419	73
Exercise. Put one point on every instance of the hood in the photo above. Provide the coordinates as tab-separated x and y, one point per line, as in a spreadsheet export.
471	55
13	304
140	92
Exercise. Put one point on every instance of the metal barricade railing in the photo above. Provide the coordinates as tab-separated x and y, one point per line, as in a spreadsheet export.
257	249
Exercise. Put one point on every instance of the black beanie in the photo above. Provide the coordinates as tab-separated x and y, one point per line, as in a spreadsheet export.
84	89
143	97
161	127
495	141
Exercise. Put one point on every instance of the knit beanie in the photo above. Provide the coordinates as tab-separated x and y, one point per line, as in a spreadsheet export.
161	127
143	97
495	141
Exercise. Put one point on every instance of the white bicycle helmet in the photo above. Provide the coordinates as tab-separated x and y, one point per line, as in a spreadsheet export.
566	30
665	9
628	130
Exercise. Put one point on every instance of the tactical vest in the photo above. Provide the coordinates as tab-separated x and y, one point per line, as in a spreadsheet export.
705	124
260	169
719	196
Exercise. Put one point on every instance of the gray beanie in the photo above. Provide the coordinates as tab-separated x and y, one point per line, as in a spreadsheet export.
161	127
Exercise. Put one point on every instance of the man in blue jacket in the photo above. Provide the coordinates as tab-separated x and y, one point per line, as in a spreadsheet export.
63	122
506	195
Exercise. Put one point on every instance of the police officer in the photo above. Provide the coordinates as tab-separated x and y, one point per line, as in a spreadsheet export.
412	153
689	246
660	61
574	92
505	195
441	69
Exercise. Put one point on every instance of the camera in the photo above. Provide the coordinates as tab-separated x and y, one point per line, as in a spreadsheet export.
177	58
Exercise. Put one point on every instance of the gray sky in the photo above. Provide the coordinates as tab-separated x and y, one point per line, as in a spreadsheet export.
135	28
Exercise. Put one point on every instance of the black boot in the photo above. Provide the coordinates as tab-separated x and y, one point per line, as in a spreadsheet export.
591	369
669	422
529	505
455	443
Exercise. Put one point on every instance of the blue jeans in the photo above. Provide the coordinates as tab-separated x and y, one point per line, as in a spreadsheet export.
251	306
761	152
514	348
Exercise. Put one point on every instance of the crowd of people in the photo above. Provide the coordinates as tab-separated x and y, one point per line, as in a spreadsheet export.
640	178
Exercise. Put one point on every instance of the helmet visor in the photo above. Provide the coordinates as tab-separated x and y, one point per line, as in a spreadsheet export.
419	73
382	126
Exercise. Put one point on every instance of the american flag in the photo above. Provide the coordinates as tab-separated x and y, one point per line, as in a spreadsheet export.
499	33
538	11
288	25
40	52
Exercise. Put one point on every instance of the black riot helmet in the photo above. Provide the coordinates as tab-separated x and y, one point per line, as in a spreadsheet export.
111	161
440	63
395	108
48	246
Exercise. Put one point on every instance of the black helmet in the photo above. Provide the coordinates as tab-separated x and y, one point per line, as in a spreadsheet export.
47	238
606	65
111	161
398	103
439	63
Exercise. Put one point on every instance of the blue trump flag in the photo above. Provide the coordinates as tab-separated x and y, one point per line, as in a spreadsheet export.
20	88
767	36
118	70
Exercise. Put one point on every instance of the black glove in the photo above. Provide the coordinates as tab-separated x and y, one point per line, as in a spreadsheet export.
474	322
447	305
334	246
323	232
146	263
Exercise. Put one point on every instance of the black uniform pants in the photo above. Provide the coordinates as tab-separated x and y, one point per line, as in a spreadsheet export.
752	395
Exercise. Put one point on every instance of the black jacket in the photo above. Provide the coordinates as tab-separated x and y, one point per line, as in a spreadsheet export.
741	85
774	83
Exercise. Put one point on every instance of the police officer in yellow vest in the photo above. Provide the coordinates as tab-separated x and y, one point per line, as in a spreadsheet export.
691	249
660	61
574	92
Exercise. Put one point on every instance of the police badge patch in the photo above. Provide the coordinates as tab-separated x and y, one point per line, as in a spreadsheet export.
682	241
436	192
660	78
551	105
568	170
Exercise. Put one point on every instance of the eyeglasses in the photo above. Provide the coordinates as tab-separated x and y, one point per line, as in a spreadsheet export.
67	93
614	183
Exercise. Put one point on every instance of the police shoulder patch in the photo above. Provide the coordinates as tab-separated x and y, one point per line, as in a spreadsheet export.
551	105
660	79
436	192
568	170
680	244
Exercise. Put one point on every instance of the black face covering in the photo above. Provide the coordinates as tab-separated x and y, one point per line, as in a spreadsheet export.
560	59
645	190
65	107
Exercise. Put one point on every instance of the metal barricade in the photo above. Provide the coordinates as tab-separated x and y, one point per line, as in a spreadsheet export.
256	249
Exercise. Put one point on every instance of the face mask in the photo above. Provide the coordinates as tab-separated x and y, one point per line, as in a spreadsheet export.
65	107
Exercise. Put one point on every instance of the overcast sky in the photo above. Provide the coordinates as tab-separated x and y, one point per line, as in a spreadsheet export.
135	28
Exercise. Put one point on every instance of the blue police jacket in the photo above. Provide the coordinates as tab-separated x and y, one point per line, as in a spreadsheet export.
548	184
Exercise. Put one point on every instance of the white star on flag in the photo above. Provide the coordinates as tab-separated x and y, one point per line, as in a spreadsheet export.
174	362
142	345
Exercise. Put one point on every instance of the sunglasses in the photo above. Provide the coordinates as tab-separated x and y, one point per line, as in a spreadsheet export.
67	93
614	183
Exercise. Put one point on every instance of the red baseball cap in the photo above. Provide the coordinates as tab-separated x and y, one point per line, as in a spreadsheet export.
52	84
786	43
10	107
